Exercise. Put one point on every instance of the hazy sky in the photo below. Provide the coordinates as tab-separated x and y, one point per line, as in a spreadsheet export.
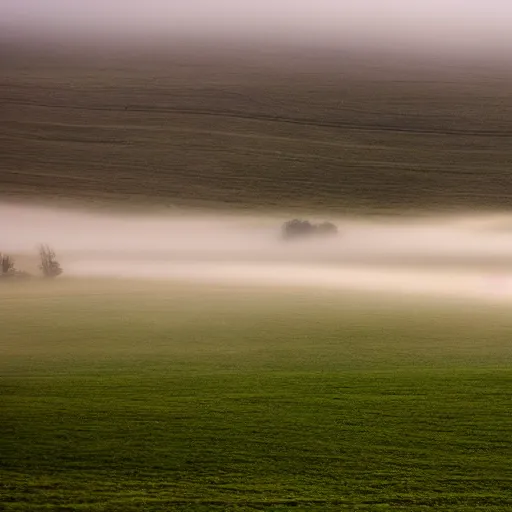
464	23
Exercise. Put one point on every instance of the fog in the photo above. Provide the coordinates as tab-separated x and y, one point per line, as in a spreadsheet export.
461	256
444	25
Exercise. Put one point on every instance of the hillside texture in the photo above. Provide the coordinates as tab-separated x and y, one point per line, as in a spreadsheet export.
267	130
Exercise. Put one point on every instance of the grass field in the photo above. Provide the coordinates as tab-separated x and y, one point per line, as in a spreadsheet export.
135	396
254	128
130	395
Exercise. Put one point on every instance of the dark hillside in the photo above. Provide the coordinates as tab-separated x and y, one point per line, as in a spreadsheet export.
256	129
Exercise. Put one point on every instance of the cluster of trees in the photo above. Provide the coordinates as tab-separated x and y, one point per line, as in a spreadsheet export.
297	228
49	265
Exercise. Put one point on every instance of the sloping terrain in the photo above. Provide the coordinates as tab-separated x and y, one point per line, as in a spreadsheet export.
264	129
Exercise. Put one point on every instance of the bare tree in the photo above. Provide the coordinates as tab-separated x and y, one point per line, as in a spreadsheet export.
6	265
49	264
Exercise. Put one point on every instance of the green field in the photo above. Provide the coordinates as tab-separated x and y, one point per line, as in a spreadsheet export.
136	396
259	128
130	396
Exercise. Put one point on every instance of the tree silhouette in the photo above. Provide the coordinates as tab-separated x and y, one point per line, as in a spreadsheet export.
6	264
49	264
297	228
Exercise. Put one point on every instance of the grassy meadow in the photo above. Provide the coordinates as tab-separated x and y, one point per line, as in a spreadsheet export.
120	396
137	396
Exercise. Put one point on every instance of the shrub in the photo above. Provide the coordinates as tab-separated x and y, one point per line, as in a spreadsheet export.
8	271
326	228
297	228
